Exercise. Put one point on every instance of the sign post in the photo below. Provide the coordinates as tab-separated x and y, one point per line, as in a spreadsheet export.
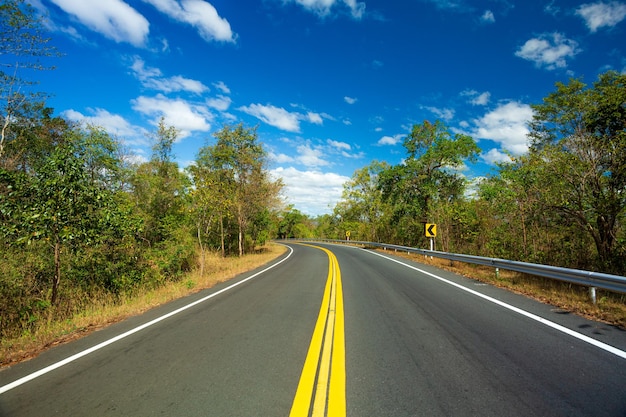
347	235
430	231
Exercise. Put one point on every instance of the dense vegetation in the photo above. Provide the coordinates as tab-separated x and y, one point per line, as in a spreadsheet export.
563	203
79	219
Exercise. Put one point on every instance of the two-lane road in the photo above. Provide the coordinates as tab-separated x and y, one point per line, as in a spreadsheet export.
397	339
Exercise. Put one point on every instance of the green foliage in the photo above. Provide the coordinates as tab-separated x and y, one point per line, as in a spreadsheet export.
233	193
427	178
362	202
159	190
292	223
563	203
77	222
579	137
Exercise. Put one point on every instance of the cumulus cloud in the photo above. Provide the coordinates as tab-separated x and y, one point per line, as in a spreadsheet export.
220	103
349	100
280	158
311	156
153	78
600	14
550	50
312	192
113	19
283	119
274	116
391	140
187	117
339	145
314	118
342	148
199	14
506	125
494	156
114	124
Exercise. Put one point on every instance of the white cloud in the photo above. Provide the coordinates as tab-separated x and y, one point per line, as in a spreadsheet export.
281	118
357	9
391	140
550	50
506	125
444	114
152	78
323	7
349	100
274	116
494	156
481	99
600	14
220	103
113	19
476	98
114	124
314	118
185	116
310	156
222	87
199	14
135	137
339	145
280	158
488	17
311	192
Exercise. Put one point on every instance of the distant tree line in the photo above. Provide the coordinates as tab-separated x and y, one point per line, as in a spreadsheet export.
563	203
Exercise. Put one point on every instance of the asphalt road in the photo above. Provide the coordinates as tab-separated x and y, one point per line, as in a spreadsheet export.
415	343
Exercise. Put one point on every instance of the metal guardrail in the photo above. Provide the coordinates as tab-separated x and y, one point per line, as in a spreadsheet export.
590	279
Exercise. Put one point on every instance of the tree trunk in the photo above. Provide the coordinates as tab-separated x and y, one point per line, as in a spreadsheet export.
201	252
240	223
222	236
57	273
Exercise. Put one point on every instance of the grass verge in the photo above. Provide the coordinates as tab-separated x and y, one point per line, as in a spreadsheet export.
610	307
106	310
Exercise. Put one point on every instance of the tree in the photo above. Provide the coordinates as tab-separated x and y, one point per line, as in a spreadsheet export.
160	189
362	201
211	196
236	168
60	199
294	224
579	134
22	46
427	176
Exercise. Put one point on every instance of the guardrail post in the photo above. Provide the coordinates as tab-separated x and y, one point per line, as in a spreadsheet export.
592	294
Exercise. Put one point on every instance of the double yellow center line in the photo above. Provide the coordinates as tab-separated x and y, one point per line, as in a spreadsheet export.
322	384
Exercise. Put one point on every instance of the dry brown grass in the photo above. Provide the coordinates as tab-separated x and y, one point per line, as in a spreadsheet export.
106	310
610	307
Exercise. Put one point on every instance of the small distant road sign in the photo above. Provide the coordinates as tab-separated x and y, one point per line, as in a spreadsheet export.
347	233
430	230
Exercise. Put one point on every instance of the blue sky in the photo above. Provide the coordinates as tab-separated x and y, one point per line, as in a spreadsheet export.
331	84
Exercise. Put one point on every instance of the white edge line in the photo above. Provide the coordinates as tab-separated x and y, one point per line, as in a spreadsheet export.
86	352
563	329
